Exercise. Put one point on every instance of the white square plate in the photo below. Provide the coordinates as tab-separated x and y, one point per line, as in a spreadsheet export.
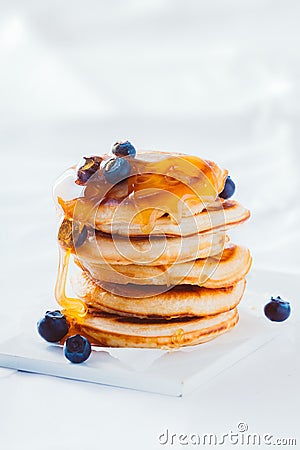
167	372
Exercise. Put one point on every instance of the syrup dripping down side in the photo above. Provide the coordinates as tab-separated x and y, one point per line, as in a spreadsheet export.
73	308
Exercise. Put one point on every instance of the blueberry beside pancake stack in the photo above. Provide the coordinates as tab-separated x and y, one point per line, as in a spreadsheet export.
148	232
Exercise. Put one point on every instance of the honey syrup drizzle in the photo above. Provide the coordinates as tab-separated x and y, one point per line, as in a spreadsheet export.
161	185
72	307
177	337
176	341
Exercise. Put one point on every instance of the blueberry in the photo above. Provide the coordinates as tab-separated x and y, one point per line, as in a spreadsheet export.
77	349
123	149
229	189
53	327
277	309
115	169
81	236
87	168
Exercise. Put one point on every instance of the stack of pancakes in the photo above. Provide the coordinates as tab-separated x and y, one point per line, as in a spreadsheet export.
164	281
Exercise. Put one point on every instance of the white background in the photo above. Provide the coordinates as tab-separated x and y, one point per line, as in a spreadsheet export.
214	78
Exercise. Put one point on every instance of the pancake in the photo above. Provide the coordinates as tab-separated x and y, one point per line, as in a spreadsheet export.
181	300
154	251
214	272
159	184
115	331
220	214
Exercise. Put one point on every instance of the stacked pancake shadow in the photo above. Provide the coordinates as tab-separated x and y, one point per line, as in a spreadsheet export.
178	285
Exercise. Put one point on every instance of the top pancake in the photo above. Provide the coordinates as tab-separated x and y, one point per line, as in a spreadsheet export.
159	185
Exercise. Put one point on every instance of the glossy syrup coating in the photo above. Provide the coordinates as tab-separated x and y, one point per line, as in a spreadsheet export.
158	182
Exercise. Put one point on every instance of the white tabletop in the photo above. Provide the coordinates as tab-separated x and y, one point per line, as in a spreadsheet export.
217	79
